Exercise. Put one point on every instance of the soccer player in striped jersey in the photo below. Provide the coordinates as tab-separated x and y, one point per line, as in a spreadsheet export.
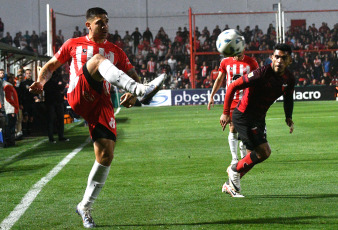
262	87
230	69
95	64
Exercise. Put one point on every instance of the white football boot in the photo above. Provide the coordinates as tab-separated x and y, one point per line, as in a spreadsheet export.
86	216
234	179
228	189
152	88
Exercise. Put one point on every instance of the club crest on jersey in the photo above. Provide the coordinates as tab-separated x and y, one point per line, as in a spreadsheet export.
88	96
84	51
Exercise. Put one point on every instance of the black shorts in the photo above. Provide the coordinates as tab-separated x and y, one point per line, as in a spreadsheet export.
100	131
251	131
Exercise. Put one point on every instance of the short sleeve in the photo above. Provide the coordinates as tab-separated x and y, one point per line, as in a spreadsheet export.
124	64
63	55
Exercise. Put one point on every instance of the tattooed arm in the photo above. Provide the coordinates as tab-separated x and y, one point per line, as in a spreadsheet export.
44	75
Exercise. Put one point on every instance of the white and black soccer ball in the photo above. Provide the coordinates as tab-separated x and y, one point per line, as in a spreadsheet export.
230	43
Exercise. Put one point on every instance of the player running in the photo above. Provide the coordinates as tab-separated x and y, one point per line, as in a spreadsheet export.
263	87
233	68
95	65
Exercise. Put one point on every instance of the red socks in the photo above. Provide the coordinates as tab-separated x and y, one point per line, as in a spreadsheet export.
243	166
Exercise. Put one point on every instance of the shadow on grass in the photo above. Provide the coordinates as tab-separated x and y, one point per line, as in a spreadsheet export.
45	150
277	220
22	169
301	196
122	120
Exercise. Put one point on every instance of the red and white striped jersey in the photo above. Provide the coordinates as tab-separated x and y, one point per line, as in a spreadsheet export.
235	69
78	51
151	66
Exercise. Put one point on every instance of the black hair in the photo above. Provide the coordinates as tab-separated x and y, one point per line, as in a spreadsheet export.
284	47
92	12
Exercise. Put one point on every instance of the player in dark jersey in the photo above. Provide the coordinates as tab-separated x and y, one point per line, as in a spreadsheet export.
95	65
262	88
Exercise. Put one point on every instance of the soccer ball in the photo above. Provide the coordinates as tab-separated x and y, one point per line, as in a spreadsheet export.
230	43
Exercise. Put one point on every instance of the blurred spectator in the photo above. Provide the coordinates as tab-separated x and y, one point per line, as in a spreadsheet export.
11	103
2	27
60	37
34	41
327	65
197	32
43	42
144	73
116	36
17	39
165	67
84	32
270	29
207	83
8	39
77	33
2	96
185	34
127	39
19	78
136	35
172	62
54	92
204	70
28	103
326	79
27	37
217	30
148	35
317	70
214	74
205	33
119	42
151	67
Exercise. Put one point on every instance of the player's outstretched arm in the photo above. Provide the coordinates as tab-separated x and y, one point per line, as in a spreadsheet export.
215	88
44	75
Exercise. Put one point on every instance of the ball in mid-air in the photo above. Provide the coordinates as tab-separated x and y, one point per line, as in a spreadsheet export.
230	43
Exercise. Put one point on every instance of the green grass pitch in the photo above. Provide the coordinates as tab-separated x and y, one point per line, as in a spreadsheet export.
169	166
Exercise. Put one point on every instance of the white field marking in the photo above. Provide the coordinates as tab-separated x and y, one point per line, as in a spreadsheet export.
30	196
117	111
35	145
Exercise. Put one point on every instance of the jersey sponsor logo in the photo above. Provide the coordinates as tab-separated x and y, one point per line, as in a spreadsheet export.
284	86
254	130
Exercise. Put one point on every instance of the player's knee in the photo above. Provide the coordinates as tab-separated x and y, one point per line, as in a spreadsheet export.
263	152
266	153
232	128
106	157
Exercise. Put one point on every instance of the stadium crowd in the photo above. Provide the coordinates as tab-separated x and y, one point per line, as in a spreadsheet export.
154	54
